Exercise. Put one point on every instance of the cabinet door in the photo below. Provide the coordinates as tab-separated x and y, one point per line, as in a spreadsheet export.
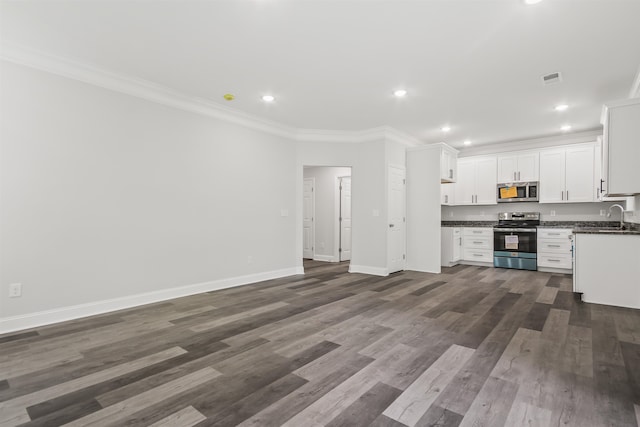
528	167
465	185
552	171
486	191
457	246
579	174
507	167
447	194
447	166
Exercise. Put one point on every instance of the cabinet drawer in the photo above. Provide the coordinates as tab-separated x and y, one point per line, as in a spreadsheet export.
555	246
473	242
554	233
484	231
477	255
555	260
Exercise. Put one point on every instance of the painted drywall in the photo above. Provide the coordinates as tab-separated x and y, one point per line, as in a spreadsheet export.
326	209
423	215
563	212
369	212
105	195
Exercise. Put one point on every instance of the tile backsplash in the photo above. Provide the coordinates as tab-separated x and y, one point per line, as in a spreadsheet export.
548	212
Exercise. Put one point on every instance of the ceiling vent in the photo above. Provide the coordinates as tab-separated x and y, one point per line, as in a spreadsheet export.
552	78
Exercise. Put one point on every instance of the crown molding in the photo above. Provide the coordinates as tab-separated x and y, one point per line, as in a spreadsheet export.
533	143
136	87
153	92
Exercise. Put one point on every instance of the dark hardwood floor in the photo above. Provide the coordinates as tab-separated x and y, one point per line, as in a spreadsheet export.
472	347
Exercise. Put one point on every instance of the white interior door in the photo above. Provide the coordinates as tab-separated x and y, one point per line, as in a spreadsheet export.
308	212
345	218
396	233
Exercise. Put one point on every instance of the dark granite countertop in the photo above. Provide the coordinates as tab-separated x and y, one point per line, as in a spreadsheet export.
583	227
605	230
469	223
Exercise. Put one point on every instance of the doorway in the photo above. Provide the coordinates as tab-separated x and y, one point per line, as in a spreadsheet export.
396	236
327	220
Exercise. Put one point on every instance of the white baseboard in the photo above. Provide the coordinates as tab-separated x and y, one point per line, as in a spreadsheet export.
325	258
376	271
422	270
41	318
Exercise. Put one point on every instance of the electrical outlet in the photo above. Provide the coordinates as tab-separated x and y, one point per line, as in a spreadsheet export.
376	212
15	290
552	213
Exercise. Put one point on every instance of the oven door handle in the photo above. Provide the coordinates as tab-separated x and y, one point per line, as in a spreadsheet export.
497	230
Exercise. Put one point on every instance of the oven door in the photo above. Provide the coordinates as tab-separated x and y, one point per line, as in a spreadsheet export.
515	240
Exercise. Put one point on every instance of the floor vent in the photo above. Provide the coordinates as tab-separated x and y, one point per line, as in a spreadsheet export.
552	78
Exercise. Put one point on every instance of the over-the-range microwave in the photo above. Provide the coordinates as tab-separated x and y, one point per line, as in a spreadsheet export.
518	192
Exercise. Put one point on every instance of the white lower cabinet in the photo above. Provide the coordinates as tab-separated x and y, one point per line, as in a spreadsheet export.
477	244
554	248
451	246
607	268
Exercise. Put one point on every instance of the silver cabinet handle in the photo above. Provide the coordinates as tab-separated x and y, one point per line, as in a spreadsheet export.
477	232
478	243
451	173
514	176
553	246
562	193
553	260
477	255
567	194
446	198
518	175
553	234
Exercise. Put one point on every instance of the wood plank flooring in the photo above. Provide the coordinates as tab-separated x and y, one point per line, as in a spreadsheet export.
470	347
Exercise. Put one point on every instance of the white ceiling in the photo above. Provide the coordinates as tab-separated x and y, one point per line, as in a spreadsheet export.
475	65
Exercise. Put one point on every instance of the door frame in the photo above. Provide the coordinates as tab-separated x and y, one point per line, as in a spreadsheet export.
313	217
337	226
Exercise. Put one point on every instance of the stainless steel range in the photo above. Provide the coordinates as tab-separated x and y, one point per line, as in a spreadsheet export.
515	240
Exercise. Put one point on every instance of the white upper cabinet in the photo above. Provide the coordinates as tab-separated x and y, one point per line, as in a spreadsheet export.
447	194
518	167
567	174
448	163
476	184
621	148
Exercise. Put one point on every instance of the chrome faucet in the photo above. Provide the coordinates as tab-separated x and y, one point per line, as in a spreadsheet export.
621	214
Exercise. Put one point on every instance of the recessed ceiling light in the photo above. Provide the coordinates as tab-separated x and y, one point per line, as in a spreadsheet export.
445	128
565	128
532	1
561	107
467	142
400	93
268	98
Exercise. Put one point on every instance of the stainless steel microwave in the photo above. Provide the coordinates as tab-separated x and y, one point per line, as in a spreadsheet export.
518	192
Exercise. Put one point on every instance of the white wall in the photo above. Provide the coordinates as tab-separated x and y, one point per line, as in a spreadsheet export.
368	184
106	196
563	212
423	213
326	209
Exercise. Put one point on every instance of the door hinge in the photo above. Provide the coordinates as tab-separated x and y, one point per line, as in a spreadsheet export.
404	219
404	181
404	256
339	249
